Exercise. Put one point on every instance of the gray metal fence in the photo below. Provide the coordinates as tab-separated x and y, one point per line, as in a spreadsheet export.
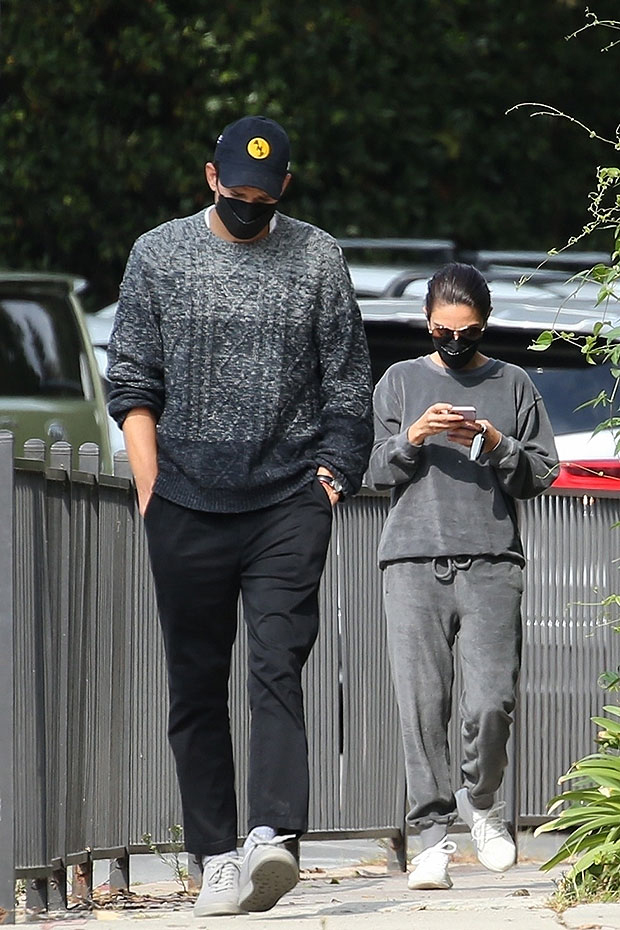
85	768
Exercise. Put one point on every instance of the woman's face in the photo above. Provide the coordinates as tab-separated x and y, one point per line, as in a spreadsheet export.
455	320
456	330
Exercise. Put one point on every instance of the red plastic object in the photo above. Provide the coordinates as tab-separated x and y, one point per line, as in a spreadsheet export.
595	475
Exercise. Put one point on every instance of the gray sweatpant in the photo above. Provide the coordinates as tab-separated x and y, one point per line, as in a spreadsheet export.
428	603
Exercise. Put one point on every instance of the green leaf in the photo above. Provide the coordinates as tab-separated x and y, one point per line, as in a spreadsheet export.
568	849
604	294
598	272
542	342
593	855
612	423
600	758
601	398
612	725
585	795
605	777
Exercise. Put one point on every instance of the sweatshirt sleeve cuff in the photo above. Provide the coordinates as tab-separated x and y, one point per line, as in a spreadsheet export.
505	448
406	450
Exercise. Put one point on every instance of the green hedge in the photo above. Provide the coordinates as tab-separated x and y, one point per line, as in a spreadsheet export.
396	112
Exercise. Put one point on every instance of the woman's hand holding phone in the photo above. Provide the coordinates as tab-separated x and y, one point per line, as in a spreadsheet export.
459	423
438	418
463	433
466	432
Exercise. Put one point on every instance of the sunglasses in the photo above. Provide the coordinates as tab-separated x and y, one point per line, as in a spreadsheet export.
466	332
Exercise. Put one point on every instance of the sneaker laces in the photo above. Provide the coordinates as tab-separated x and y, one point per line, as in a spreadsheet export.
224	872
444	847
489	825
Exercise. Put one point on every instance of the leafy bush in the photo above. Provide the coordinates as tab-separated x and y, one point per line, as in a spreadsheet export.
592	815
590	809
108	111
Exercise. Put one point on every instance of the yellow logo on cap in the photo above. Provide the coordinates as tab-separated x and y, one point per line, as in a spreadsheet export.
258	148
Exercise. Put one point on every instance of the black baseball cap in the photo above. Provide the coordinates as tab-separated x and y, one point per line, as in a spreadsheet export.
253	152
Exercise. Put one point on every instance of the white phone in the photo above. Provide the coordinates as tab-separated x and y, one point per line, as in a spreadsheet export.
468	413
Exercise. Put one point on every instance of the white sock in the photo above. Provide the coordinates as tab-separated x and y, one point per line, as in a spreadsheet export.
258	834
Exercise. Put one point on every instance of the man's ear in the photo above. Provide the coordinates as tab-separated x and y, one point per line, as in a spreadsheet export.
211	175
286	183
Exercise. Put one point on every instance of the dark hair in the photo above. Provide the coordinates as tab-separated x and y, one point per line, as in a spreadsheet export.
457	283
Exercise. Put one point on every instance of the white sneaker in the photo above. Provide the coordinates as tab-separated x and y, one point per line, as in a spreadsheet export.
431	866
268	871
494	845
219	894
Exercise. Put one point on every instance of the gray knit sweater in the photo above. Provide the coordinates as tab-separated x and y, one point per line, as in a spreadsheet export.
253	358
443	504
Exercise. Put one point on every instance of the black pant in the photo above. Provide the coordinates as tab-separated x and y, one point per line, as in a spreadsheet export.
201	561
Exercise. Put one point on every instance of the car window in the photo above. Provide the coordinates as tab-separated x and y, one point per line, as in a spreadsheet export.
41	352
564	390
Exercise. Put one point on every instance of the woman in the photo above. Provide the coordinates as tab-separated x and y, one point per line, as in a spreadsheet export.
452	560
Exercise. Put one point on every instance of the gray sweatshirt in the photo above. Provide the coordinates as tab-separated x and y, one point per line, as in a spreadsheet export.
443	504
252	356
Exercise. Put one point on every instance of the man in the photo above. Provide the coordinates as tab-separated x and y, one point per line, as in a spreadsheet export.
241	379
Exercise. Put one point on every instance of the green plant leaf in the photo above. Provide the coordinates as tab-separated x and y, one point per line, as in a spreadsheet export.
612	725
603	776
591	795
543	341
599	759
601	398
567	850
593	855
612	424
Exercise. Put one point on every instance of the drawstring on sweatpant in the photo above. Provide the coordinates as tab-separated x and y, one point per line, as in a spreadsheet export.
445	567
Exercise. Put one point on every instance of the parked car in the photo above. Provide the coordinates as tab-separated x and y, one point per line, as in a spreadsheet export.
396	329
375	263
99	326
568	262
50	387
381	267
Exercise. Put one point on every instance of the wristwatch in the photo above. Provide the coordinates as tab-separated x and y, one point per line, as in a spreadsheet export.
332	483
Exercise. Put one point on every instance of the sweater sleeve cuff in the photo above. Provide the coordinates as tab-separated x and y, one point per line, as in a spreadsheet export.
120	406
347	486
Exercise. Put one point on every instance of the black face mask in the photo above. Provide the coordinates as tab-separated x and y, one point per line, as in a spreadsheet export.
244	220
456	353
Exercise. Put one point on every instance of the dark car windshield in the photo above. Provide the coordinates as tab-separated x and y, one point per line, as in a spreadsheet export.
41	349
561	373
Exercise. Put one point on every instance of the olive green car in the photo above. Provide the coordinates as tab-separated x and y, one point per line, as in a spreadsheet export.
50	387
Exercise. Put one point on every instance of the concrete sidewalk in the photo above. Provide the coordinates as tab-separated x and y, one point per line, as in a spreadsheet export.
365	897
